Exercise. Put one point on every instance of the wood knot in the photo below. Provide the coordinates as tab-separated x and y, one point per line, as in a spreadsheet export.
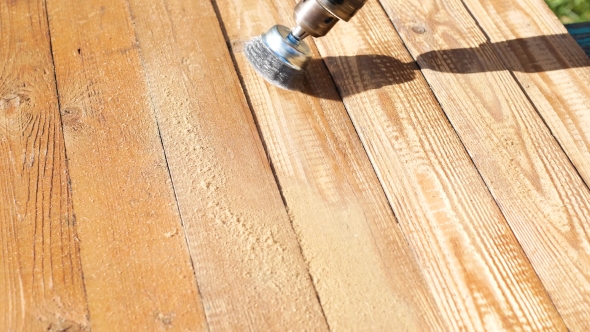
12	101
11	109
71	117
418	29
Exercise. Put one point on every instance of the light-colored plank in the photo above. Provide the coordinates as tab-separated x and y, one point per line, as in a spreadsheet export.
364	271
41	282
248	263
477	271
538	190
550	66
136	263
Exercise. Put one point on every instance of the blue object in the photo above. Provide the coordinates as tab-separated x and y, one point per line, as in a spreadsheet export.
581	33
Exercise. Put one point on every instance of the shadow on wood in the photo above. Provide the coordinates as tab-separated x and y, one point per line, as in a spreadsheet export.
371	72
374	71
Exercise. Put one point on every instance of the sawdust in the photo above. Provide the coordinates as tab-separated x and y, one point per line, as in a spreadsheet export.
244	250
349	237
247	262
354	280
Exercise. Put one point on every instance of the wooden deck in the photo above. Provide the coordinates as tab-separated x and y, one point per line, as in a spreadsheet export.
432	176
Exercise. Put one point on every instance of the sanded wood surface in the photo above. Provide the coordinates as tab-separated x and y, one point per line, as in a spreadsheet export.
248	264
137	273
41	282
540	193
550	67
151	180
463	243
362	267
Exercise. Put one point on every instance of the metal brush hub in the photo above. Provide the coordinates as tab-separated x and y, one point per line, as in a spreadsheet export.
317	17
290	50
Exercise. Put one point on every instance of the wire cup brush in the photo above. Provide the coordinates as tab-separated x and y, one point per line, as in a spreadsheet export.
281	55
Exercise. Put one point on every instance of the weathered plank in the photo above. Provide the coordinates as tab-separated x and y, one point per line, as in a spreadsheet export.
364	271
248	263
473	263
137	268
538	190
549	65
41	282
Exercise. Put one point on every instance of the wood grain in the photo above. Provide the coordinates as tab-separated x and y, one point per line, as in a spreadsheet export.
474	265
538	190
248	263
549	65
364	271
136	263
41	281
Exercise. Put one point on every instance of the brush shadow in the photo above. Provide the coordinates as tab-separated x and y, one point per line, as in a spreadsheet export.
360	73
369	72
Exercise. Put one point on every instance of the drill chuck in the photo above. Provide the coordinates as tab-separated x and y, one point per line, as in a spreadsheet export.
343	9
317	17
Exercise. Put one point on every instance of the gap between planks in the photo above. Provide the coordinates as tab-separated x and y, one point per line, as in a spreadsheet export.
303	157
238	46
523	165
42	281
247	212
174	191
123	204
573	148
542	55
540	296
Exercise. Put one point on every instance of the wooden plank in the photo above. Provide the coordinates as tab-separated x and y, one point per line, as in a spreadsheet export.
41	281
248	263
474	265
550	67
364	271
136	263
540	193
581	33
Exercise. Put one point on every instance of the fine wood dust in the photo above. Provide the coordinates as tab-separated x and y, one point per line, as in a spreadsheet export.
244	249
343	222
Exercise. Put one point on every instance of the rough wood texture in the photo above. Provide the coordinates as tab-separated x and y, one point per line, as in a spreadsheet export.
540	193
136	264
41	282
248	263
364	272
549	65
174	220
479	275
